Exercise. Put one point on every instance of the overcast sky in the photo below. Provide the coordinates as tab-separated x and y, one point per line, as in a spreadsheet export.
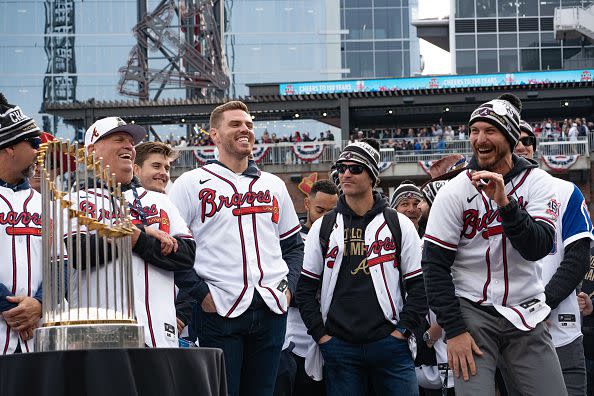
437	61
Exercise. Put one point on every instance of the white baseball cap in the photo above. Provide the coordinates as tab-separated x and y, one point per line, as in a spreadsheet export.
106	126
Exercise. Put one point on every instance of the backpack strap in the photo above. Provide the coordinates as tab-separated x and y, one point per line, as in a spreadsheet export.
391	217
326	229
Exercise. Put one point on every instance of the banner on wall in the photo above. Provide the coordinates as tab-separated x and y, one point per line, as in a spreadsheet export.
210	153
204	154
462	81
560	163
308	153
384	166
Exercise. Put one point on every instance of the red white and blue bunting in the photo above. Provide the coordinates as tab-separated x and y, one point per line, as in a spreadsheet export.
204	154
308	153
425	165
560	163
384	166
259	152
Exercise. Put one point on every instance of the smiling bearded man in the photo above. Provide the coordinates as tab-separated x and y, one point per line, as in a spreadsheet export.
487	230
249	253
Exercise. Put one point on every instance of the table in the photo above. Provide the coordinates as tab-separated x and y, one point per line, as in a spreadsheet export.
113	372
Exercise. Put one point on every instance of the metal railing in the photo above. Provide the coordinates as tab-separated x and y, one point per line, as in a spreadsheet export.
328	152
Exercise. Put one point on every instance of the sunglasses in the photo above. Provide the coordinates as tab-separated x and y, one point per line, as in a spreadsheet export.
355	169
527	141
35	142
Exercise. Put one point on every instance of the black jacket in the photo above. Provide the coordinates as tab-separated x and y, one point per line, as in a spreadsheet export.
369	322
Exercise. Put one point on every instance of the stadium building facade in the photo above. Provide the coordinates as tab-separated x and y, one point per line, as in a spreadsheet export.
491	36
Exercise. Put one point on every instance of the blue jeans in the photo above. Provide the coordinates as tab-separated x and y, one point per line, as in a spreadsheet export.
251	344
386	364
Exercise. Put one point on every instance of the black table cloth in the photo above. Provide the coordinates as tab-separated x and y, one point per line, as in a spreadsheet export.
112	372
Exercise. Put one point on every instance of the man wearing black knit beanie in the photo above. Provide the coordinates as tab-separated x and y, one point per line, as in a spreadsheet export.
20	233
362	321
487	230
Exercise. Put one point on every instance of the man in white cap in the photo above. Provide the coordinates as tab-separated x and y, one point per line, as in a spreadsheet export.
161	241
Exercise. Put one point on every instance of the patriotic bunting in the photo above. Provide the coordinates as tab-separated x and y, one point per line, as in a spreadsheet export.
384	166
560	163
259	152
308	153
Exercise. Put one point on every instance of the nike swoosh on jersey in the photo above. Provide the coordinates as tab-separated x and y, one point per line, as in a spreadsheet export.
203	181
471	198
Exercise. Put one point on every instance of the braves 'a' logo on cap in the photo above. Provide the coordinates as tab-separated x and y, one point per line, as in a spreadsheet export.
95	134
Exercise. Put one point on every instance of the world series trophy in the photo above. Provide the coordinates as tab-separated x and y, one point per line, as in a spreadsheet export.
88	300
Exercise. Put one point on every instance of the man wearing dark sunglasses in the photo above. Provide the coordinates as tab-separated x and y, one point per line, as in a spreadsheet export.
361	321
527	143
563	270
20	227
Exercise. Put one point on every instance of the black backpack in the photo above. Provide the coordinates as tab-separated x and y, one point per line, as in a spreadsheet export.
391	217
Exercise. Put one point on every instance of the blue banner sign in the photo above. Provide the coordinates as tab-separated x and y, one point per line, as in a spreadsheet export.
463	81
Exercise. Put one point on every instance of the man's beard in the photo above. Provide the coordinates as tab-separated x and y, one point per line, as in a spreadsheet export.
492	164
29	172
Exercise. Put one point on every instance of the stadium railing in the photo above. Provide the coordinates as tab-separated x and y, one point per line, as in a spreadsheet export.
328	152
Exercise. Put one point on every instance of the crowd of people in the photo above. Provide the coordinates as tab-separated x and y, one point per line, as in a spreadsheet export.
464	285
203	139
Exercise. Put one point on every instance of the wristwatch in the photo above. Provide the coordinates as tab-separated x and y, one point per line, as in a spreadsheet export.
427	338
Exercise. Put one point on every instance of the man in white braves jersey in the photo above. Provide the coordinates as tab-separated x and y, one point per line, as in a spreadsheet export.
161	242
321	199
362	321
152	166
563	269
487	229
249	253
20	231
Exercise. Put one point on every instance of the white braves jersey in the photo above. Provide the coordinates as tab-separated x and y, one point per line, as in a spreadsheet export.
154	289
487	269
574	224
20	242
382	263
238	222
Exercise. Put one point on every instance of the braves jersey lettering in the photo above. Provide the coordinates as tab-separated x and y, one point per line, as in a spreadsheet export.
487	269
20	242
238	222
90	209
473	223
25	218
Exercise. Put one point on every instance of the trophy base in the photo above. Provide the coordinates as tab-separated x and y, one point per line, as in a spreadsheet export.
89	336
